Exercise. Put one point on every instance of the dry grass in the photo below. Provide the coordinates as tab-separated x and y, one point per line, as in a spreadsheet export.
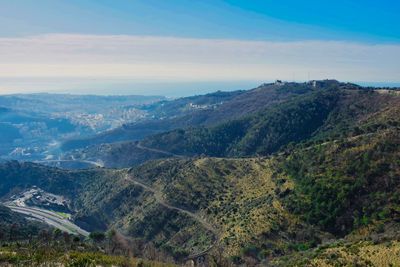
362	253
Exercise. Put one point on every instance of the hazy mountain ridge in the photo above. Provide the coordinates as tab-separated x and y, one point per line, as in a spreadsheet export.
46	102
34	125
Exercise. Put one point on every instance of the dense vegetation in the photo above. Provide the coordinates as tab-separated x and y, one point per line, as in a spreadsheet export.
343	169
262	133
352	180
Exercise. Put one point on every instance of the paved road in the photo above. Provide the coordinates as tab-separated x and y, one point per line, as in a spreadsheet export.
50	218
161	201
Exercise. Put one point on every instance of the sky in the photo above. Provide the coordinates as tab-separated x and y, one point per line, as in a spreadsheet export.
183	47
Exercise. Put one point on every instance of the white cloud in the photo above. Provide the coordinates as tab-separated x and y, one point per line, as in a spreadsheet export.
184	59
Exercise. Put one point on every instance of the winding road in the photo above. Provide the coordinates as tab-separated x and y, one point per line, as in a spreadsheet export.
154	150
161	201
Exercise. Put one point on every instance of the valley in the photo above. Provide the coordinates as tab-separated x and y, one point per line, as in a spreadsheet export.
37	124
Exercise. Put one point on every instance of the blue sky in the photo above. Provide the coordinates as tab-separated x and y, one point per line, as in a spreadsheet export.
362	20
132	42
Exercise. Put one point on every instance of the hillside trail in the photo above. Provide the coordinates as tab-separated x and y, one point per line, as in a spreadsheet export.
159	199
154	150
351	138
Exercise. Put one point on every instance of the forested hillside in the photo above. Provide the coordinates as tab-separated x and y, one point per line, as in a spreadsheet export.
262	133
318	115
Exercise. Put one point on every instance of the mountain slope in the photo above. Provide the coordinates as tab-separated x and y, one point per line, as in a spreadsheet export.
316	115
237	196
353	179
262	133
209	109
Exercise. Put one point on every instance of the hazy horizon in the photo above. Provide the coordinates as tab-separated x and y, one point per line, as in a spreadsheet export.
122	47
167	89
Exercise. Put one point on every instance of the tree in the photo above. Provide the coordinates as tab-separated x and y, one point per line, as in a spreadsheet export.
57	233
97	237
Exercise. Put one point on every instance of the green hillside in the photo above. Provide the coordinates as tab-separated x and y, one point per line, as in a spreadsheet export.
262	133
317	115
106	199
352	180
